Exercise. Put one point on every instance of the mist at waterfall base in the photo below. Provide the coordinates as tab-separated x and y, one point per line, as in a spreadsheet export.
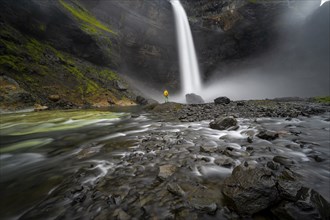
298	64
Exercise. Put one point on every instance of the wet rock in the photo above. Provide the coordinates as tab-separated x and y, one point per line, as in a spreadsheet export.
121	214
209	147
166	171
308	205
250	190
54	98
77	189
233	128
288	189
268	135
175	189
222	100
192	98
272	165
209	208
134	115
225	161
141	101
223	123
284	161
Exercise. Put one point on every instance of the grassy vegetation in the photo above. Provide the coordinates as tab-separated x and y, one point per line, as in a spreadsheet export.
90	23
323	99
35	49
108	74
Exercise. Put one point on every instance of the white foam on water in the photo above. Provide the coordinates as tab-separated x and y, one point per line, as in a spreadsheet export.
235	146
111	136
196	172
298	155
215	171
103	166
136	131
5	156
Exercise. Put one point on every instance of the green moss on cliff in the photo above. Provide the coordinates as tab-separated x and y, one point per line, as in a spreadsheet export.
91	24
35	49
108	74
43	70
12	62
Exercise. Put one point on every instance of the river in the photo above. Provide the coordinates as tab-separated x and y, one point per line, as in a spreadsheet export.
77	164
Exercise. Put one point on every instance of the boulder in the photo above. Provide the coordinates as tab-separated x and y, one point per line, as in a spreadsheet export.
308	205
141	101
54	98
268	135
223	123
222	100
166	171
250	190
225	161
192	98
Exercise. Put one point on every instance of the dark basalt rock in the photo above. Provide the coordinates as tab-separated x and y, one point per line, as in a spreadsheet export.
250	190
192	98
268	135
308	205
222	100
223	123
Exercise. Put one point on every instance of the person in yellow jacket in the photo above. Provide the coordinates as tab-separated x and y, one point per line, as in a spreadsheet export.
166	95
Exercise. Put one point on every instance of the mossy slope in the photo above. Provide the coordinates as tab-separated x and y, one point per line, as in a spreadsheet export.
42	71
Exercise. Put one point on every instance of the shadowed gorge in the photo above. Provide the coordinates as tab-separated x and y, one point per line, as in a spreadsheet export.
164	109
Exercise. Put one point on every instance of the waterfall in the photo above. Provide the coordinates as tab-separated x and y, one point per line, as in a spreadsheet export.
189	71
322	1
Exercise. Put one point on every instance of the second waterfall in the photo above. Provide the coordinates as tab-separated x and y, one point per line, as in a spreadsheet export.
190	76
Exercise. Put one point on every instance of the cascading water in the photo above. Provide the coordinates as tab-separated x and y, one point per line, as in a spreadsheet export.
190	77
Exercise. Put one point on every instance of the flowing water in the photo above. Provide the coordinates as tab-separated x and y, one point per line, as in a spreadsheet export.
190	76
55	163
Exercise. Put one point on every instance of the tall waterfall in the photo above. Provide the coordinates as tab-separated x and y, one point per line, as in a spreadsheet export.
190	77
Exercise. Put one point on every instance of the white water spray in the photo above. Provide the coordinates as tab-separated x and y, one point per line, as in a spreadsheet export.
190	77
323	1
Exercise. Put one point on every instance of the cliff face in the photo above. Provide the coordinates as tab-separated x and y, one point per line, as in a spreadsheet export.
58	48
146	38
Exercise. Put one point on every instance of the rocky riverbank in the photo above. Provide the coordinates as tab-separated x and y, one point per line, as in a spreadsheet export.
282	107
158	165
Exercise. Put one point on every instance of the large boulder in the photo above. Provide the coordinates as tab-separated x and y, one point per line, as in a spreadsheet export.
223	123
308	205
192	98
250	190
222	100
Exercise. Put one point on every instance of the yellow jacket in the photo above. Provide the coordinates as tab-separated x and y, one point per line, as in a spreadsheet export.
165	93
